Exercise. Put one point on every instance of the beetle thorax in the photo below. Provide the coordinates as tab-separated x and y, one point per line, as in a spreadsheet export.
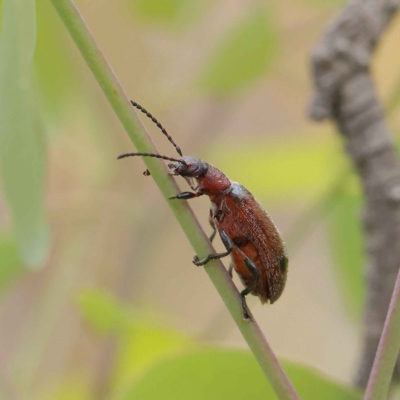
214	182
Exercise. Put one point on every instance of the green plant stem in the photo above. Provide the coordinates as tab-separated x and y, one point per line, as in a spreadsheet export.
388	351
217	273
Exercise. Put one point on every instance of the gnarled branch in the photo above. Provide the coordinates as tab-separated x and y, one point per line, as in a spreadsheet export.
344	92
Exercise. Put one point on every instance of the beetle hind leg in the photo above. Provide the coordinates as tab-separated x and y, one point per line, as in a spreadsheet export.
256	275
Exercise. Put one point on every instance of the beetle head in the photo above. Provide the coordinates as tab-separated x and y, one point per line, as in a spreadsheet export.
190	167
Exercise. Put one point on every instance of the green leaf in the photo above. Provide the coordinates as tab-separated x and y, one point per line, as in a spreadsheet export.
74	387
278	169
155	10
142	344
52	62
227	374
311	384
104	313
10	263
345	235
22	155
168	13
244	55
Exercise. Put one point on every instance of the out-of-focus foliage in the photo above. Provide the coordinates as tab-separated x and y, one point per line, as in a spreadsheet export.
227	374
347	247
22	147
10	261
53	65
143	346
73	388
103	312
243	56
157	11
168	14
301	166
143	342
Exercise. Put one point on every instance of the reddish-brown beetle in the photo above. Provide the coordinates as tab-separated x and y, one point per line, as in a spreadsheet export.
258	254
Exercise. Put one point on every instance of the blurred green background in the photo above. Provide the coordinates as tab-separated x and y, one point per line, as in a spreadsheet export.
99	298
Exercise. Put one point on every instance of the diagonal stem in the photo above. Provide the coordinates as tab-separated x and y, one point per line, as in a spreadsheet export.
217	273
388	350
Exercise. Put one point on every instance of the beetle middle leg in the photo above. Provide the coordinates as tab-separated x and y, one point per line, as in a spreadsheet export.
212	223
212	236
226	240
230	269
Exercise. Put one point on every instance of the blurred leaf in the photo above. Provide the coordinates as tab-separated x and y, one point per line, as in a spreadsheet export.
320	208
171	13
243	56
103	311
144	346
10	263
155	10
227	374
22	156
143	343
73	388
53	63
311	384
348	253
279	169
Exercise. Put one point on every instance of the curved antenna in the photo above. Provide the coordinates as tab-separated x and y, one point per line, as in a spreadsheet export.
144	111
148	155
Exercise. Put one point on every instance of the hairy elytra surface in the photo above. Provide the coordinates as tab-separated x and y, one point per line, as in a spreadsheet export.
236	211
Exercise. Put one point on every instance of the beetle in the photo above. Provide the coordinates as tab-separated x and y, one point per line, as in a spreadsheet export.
258	253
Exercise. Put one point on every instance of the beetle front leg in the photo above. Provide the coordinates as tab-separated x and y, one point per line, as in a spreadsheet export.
185	196
226	240
190	182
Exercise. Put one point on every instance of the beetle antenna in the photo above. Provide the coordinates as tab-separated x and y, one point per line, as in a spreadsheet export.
147	155
144	111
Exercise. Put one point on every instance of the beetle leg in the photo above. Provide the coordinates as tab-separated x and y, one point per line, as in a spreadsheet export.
190	182
230	269
185	196
212	236
256	275
212	223
226	240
